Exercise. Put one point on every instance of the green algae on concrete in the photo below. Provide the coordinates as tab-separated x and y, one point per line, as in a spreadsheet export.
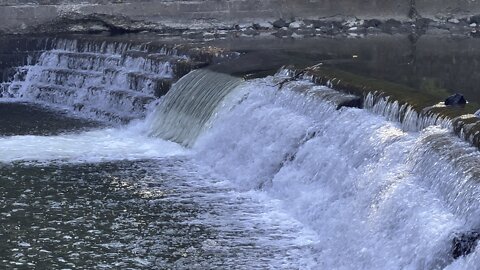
425	103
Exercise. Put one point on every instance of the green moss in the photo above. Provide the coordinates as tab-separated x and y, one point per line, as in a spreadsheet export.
418	99
428	98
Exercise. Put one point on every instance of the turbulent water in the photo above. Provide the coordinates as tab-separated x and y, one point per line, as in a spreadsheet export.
186	109
112	82
274	177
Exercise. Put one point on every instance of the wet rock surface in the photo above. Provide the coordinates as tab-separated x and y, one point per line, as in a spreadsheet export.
464	244
455	100
281	28
73	21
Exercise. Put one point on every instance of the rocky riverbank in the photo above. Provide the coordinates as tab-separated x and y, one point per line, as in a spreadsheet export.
281	28
217	18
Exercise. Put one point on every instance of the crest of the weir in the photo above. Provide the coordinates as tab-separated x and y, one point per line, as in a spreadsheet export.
188	106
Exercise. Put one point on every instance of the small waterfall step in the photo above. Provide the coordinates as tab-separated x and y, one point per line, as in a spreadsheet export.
4	89
154	63
189	105
150	62
93	46
107	78
70	77
80	61
115	97
324	93
152	85
155	85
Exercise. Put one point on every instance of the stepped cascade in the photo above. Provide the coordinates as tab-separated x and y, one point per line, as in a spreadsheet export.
113	81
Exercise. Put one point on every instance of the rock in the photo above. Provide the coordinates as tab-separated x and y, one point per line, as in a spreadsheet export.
473	25
283	33
262	26
454	20
315	23
373	30
250	32
280	23
351	23
475	33
352	102
390	25
464	244
474	19
372	23
423	23
306	32
322	24
297	36
455	100
295	25
477	113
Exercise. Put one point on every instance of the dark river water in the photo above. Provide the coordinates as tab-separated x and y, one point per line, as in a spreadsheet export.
143	214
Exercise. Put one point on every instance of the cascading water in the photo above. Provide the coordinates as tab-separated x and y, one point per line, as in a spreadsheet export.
113	82
378	197
274	168
187	108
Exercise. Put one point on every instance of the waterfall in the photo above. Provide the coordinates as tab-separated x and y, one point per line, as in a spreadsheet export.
109	81
184	111
378	196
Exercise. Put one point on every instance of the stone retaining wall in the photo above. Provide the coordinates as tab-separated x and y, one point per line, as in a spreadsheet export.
23	16
18	16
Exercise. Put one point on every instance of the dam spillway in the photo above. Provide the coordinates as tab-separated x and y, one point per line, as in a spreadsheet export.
261	173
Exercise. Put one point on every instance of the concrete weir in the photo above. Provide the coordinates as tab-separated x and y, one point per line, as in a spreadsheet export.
396	102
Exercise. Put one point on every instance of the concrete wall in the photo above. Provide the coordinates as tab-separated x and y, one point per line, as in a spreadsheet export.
447	8
18	15
22	15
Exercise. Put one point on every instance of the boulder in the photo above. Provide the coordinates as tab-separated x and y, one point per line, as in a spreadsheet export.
474	19
250	32
474	33
280	23
372	23
464	243
455	100
262	26
295	25
351	101
391	25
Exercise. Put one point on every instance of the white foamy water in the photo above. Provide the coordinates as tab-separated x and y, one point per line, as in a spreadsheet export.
92	146
113	82
377	197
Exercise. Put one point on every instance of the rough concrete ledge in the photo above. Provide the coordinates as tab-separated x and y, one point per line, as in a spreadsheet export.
464	123
26	16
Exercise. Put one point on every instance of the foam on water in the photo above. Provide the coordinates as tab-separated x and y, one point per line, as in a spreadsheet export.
92	146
